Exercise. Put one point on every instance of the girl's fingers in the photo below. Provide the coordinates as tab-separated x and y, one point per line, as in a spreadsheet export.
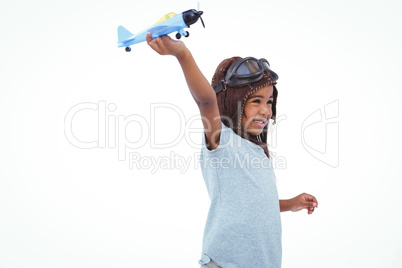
312	210
153	43
311	198
148	37
159	41
155	46
315	201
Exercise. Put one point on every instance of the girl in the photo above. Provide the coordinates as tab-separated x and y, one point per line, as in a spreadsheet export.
243	228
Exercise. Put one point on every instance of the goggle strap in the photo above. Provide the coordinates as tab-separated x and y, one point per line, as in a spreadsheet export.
221	86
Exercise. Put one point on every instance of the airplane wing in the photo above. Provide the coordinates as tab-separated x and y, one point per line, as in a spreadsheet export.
128	39
162	30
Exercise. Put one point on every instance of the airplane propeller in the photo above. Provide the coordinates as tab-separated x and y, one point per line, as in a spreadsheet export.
191	16
199	13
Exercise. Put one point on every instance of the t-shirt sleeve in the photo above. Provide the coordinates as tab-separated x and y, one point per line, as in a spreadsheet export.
223	140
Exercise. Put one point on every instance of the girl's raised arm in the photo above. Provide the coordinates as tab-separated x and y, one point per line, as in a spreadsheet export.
201	90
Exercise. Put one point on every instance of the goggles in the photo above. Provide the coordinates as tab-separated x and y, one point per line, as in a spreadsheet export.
245	71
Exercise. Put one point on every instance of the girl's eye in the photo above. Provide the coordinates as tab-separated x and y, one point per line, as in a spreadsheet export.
258	101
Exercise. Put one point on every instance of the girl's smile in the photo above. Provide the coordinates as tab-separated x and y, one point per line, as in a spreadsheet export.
261	122
258	110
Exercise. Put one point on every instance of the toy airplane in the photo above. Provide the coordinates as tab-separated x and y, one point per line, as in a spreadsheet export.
167	24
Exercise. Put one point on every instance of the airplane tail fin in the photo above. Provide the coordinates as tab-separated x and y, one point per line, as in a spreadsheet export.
123	34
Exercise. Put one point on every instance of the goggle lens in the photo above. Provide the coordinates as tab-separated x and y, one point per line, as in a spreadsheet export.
248	67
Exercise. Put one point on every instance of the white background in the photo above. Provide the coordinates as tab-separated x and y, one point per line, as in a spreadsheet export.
63	206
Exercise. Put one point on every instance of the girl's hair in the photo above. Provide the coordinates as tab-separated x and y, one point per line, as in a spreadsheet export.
231	102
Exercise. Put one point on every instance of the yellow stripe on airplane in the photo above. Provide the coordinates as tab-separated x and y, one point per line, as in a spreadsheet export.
166	17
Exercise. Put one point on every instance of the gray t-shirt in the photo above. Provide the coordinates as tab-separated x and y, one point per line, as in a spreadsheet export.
243	227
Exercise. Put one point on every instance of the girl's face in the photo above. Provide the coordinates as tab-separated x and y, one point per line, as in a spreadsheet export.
258	110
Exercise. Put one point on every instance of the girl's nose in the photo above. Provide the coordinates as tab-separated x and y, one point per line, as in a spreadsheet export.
264	111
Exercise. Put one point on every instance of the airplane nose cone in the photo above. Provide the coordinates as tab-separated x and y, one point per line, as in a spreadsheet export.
191	16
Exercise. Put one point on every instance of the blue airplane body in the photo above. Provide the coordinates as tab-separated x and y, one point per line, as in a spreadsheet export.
175	24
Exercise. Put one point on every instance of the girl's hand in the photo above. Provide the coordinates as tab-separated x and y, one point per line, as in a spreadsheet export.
165	45
303	201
